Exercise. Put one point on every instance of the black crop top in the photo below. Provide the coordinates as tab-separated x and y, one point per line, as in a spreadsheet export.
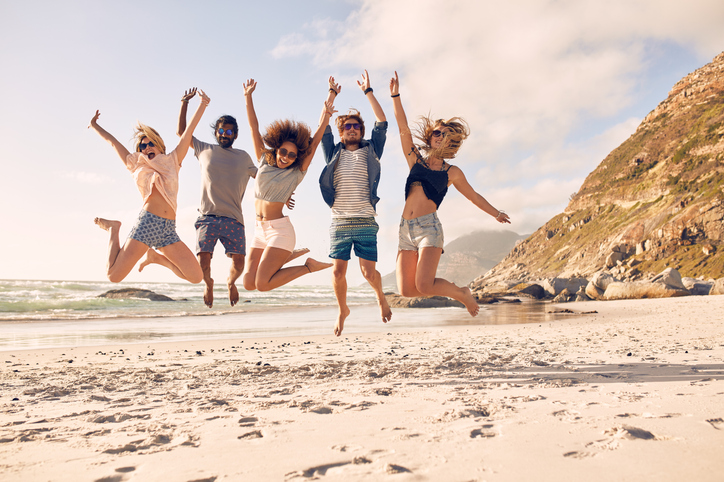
434	183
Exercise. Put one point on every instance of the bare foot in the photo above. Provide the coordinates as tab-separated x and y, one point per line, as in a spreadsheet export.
107	224
150	258
297	253
209	292
385	310
233	294
470	302
313	265
343	314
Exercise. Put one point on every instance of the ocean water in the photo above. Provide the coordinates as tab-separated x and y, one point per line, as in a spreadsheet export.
45	314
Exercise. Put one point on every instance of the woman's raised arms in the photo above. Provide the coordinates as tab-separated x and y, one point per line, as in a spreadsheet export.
119	148
408	146
327	112
256	138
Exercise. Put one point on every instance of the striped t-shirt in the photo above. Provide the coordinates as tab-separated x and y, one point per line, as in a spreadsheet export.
352	186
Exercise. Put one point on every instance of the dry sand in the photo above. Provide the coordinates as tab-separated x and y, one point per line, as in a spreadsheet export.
634	392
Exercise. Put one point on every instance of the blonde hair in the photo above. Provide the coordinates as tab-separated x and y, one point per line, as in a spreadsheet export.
142	130
458	131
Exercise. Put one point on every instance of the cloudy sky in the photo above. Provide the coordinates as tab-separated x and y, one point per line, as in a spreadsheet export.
549	88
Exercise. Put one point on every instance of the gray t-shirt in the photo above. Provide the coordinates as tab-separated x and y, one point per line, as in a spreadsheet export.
224	176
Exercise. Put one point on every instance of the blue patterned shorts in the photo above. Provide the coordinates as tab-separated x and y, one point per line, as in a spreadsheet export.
154	231
422	232
210	229
358	232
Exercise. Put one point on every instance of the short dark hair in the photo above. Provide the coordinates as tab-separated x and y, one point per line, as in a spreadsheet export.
225	119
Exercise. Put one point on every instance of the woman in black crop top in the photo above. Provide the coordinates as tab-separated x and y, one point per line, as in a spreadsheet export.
421	236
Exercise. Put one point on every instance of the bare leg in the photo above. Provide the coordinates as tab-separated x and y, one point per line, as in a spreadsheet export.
121	260
205	263
178	258
237	267
270	274
339	283
297	253
406	273
248	278
374	278
429	285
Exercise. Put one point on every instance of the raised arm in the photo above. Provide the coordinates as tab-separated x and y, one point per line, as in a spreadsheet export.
188	95
369	93
408	146
327	112
119	148
186	137
457	178
334	89
256	139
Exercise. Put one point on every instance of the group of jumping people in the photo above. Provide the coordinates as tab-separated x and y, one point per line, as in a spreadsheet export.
284	152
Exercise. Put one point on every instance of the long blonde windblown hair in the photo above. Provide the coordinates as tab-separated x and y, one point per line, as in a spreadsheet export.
458	132
142	130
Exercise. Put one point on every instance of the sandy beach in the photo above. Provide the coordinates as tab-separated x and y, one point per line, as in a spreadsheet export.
634	391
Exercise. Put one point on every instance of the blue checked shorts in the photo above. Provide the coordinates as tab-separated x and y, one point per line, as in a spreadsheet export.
361	233
422	232
154	231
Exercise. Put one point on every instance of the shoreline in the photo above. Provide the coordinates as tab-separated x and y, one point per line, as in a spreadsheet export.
635	391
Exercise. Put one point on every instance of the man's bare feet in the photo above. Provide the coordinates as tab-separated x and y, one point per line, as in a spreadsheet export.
343	314
297	253
107	224
385	311
470	302
209	292
151	257
233	294
313	265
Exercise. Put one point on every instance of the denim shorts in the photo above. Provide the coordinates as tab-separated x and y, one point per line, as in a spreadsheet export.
422	232
210	229
277	233
154	231
344	233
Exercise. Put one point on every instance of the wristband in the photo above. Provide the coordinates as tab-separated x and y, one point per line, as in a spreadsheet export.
334	91
184	101
396	95
368	90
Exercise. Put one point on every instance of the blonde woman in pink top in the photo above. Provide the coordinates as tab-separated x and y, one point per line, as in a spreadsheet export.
156	175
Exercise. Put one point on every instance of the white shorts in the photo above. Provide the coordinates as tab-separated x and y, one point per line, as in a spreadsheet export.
277	233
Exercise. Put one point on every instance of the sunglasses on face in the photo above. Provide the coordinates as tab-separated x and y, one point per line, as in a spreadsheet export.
228	132
142	146
438	133
352	126
288	154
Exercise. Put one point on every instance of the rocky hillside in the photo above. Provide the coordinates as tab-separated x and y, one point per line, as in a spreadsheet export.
656	201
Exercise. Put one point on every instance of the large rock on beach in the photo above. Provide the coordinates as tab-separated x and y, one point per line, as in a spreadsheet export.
718	288
398	301
641	289
598	284
669	277
697	287
554	286
134	293
530	290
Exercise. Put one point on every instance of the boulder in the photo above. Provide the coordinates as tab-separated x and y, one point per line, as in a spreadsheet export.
564	296
718	288
532	290
593	291
581	295
131	293
602	279
554	286
697	287
669	277
398	301
641	289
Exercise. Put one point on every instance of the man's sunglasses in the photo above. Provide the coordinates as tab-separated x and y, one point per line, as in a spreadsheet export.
352	126
288	154
142	146
228	132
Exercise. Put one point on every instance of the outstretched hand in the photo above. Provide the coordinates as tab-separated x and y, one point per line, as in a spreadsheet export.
249	86
395	85
365	84
205	99
503	217
94	120
334	86
188	94
329	108
290	202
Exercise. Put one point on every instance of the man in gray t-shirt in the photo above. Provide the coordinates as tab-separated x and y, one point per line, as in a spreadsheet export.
225	172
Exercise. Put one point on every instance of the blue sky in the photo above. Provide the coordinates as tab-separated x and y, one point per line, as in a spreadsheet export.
548	87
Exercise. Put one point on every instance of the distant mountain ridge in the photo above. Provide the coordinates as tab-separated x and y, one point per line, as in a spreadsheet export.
655	201
469	255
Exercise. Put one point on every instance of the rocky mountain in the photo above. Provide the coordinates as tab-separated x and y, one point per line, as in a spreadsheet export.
466	257
655	201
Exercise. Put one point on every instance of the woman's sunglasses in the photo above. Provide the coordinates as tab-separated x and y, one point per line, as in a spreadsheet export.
228	132
288	154
437	133
142	146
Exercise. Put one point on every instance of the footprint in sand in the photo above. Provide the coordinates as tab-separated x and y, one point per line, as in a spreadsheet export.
717	423
248	421
251	435
483	432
